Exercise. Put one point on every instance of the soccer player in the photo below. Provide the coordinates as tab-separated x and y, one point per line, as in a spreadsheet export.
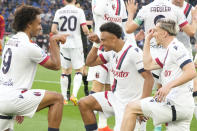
2	30
18	67
128	74
148	15
173	101
185	39
106	11
68	20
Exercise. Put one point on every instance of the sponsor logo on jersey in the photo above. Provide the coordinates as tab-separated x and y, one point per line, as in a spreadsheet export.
121	74
113	7
112	19
37	93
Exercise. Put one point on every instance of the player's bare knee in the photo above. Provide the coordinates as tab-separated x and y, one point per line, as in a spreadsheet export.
83	103
58	98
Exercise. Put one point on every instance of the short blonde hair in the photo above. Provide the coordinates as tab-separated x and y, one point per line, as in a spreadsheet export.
168	25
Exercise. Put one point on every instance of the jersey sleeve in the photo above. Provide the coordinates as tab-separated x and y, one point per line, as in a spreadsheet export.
82	18
140	16
181	19
99	6
105	56
180	55
36	54
137	58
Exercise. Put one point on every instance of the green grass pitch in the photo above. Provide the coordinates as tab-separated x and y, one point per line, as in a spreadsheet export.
71	121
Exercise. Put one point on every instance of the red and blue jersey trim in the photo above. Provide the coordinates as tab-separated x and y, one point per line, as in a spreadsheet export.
118	7
45	60
122	58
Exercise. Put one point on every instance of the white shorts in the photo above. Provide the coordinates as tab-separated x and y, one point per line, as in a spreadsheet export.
6	124
111	106
100	73
72	57
19	102
184	115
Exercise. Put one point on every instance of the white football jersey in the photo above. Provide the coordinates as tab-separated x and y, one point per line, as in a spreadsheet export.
69	19
177	56
126	66
182	36
108	11
157	9
19	62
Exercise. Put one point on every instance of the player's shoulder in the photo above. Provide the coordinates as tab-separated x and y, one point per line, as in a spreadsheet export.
177	46
132	49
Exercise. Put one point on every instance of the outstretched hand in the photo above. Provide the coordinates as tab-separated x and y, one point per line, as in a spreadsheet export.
60	38
131	6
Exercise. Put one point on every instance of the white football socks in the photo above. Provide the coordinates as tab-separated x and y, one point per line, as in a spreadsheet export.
102	120
77	83
64	85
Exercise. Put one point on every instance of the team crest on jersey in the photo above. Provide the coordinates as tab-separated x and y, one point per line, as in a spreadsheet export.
175	47
37	93
97	74
113	7
136	49
20	96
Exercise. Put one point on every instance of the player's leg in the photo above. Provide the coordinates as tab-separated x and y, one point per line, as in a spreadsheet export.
86	106
77	59
76	85
65	79
65	82
85	82
132	110
89	104
102	125
54	101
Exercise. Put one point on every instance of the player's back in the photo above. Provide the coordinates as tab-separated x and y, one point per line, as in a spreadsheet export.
108	11
19	62
69	20
150	13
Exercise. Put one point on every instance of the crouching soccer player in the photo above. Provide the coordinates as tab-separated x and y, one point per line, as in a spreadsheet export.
173	103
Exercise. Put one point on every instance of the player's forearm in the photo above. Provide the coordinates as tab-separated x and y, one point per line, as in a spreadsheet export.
55	53
92	57
147	58
148	85
188	74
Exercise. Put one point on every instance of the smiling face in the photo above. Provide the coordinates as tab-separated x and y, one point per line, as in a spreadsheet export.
35	26
108	41
178	2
